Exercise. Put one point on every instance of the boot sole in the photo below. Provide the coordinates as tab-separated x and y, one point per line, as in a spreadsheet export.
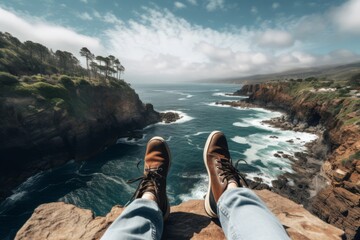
208	209
167	213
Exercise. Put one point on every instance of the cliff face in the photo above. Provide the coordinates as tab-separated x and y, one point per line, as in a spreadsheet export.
186	221
41	131
338	204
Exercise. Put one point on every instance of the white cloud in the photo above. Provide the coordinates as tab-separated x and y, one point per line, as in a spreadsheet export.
97	14
347	16
275	38
213	5
52	36
193	2
107	17
85	16
179	5
110	18
158	45
254	10
84	1
275	5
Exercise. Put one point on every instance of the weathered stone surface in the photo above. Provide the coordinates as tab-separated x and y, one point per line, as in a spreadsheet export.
339	207
187	221
340	175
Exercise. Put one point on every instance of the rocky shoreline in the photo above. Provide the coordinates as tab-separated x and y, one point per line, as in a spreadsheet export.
329	174
307	179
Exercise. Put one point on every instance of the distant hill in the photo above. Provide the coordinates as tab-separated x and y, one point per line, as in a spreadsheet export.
333	72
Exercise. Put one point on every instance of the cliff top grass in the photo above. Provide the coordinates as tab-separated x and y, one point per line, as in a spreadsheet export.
55	91
344	94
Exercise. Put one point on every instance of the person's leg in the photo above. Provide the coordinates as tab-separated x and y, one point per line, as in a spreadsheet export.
243	215
143	218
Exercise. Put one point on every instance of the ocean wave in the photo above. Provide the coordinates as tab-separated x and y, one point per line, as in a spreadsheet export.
225	94
21	191
133	141
264	177
198	191
213	104
197	134
187	95
263	146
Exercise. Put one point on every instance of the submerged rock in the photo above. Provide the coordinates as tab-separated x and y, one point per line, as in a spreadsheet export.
186	221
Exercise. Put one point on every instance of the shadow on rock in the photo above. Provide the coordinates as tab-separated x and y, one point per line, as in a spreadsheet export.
184	225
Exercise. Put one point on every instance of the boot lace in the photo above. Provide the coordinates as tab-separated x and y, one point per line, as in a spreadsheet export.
149	182
230	172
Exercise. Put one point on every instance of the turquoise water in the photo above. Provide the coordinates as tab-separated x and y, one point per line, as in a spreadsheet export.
100	183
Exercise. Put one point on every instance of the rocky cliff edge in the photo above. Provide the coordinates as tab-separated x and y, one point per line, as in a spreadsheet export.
187	221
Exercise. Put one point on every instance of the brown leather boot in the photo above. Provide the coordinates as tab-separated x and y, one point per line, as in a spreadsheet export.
220	170
156	167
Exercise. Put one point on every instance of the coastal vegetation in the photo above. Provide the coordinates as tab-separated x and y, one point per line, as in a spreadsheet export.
36	60
341	97
31	70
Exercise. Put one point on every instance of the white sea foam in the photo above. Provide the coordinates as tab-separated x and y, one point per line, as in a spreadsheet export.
263	146
239	140
199	189
214	104
187	95
21	192
196	134
224	94
265	178
133	141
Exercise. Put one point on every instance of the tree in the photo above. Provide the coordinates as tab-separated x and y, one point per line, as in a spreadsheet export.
355	80
13	40
117	65
30	48
121	70
94	68
100	59
67	62
88	55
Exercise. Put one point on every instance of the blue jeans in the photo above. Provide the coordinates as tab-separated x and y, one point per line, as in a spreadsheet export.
241	213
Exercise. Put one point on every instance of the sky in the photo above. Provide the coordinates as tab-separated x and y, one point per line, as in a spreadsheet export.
185	40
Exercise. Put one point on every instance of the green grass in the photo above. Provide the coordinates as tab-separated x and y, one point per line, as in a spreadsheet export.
355	156
306	89
7	79
60	92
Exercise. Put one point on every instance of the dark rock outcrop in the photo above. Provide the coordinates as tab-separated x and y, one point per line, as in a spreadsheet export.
186	221
169	117
36	135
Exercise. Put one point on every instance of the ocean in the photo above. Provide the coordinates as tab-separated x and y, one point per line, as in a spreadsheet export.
100	183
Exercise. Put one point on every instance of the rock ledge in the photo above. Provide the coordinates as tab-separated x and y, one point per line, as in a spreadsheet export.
187	220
